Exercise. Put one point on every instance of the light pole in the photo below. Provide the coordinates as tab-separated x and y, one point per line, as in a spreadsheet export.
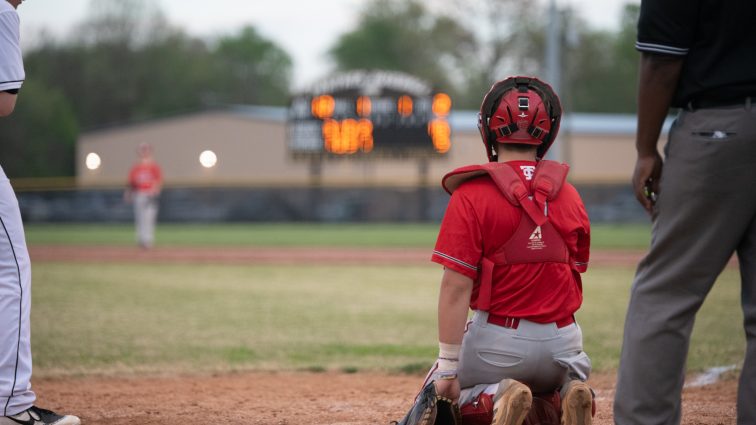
554	66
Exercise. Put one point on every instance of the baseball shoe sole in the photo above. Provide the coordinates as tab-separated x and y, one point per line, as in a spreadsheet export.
577	404
511	403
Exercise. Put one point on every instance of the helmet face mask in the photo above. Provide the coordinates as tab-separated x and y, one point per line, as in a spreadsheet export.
519	110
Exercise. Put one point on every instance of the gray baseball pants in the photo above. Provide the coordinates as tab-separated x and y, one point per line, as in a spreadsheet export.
145	216
705	212
541	355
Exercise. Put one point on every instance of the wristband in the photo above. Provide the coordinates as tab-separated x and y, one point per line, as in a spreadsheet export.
449	351
447	375
448	358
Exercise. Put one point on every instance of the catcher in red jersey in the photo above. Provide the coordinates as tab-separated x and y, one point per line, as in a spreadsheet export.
513	242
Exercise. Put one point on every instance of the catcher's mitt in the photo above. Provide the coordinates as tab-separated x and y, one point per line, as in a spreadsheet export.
430	409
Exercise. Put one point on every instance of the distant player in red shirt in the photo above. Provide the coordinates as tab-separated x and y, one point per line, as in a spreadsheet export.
145	183
513	242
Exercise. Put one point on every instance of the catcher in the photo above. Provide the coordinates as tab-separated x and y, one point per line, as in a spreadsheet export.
513	242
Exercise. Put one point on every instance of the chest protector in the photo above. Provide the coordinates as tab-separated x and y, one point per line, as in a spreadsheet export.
535	240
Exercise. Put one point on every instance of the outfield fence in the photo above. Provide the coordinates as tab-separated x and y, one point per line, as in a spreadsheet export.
39	204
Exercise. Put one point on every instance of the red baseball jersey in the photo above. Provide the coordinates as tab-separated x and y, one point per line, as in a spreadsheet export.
145	176
479	219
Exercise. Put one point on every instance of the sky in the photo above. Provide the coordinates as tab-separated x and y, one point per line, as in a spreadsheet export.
304	28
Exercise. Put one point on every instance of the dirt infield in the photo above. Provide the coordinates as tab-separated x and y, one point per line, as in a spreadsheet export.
288	398
298	398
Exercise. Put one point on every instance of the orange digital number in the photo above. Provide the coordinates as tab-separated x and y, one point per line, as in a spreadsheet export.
364	106
347	136
440	133
441	104
323	106
404	105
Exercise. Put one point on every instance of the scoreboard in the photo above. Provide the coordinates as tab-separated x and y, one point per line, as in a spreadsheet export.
369	113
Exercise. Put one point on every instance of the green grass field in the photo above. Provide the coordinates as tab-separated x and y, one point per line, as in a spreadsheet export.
104	318
634	236
160	318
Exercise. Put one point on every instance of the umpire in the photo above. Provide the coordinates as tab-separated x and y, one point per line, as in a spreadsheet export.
698	56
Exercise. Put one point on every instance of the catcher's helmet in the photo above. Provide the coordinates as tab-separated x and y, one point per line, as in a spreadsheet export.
519	110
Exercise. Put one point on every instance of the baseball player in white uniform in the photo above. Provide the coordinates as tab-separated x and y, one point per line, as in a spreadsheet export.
16	397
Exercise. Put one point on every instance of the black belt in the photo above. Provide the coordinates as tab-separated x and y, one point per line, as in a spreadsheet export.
719	103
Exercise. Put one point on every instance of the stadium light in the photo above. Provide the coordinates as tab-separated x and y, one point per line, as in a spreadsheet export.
208	159
93	161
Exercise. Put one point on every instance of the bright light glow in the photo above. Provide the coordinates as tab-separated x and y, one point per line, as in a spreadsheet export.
442	104
404	105
323	106
347	136
208	159
364	106
93	161
440	132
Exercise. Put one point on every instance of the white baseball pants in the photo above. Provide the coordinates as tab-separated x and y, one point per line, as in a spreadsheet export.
15	306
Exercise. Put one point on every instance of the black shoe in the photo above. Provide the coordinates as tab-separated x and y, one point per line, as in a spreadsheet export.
36	416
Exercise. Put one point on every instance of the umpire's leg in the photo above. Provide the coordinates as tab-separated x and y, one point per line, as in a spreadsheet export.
706	204
747	385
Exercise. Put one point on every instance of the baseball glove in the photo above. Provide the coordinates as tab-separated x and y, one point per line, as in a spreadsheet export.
431	409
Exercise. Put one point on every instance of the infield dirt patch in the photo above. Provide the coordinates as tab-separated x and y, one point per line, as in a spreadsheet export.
298	398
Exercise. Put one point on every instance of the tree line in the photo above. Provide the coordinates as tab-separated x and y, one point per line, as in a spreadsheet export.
126	63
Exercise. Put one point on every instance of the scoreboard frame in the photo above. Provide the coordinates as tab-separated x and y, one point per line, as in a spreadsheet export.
369	114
